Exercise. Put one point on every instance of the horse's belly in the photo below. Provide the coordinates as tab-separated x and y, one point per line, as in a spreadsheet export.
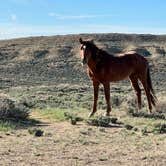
111	75
118	76
112	79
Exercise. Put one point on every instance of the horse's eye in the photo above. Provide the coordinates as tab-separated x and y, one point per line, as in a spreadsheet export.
83	47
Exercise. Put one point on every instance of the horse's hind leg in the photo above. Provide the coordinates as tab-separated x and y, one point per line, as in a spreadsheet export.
134	82
107	97
143	80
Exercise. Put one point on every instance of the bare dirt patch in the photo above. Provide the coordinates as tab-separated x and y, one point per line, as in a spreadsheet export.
81	144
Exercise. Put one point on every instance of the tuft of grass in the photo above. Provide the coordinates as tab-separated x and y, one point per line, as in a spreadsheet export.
72	117
7	125
51	114
83	141
147	115
102	121
103	158
128	127
160	128
145	131
59	115
113	120
37	132
73	121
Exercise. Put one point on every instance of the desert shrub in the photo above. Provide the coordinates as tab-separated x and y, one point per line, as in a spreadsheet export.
27	102
11	110
73	118
128	127
143	51
113	120
147	115
37	132
160	51
160	128
144	114
40	53
130	110
145	131
102	121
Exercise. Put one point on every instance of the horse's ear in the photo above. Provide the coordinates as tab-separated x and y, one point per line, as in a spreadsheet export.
81	41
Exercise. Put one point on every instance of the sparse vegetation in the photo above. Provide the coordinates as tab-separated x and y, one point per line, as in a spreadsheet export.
11	110
48	79
102	121
128	127
37	132
7	125
147	115
160	128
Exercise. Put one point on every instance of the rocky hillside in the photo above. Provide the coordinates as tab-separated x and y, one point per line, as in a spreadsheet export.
53	60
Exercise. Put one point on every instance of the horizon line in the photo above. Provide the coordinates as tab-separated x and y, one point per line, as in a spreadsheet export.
75	34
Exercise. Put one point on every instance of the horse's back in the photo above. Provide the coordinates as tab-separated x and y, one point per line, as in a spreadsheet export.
131	56
126	64
125	53
134	60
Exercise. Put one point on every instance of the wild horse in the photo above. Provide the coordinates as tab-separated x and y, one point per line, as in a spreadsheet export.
104	68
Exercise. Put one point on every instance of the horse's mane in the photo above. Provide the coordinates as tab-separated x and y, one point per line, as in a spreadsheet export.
100	56
98	53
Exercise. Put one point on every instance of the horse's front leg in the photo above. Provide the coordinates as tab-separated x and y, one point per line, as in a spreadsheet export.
96	91
107	97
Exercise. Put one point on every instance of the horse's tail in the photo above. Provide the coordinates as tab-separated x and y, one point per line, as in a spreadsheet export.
152	93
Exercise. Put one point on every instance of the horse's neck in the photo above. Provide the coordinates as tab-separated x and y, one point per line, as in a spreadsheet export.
91	65
93	61
99	56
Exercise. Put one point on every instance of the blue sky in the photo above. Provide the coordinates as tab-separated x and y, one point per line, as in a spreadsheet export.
21	18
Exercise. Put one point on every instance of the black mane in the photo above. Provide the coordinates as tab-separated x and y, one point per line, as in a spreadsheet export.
97	53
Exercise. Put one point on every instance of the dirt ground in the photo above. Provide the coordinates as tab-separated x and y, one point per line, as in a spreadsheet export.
79	145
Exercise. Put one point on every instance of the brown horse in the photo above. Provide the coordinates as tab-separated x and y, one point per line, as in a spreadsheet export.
104	68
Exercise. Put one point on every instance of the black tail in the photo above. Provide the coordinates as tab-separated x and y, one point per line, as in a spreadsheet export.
152	94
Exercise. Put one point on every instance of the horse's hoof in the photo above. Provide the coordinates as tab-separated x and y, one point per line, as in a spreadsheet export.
91	114
107	114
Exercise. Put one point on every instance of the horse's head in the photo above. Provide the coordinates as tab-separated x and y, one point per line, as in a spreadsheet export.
85	50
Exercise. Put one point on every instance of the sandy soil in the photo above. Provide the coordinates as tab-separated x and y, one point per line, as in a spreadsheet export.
64	144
